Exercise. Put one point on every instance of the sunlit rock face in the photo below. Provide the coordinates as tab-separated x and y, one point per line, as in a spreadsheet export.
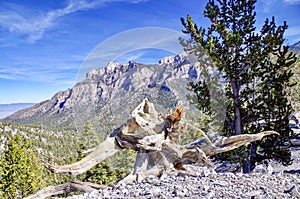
108	94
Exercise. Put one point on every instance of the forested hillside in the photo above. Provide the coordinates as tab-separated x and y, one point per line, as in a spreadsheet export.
52	147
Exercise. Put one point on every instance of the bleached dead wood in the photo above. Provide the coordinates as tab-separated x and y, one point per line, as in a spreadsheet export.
103	151
158	151
233	142
74	186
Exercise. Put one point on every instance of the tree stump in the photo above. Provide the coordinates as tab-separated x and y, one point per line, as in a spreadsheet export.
158	151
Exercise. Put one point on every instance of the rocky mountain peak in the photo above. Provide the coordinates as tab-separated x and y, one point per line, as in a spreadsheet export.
108	92
181	57
112	69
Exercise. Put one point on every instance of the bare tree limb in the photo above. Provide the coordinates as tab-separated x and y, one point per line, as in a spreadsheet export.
158	151
103	151
66	188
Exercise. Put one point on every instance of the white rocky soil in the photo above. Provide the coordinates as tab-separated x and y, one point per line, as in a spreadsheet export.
275	181
207	184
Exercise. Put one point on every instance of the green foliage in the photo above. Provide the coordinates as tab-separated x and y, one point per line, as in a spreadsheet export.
20	170
89	137
257	69
109	171
276	109
101	174
192	135
55	147
123	161
203	99
105	173
64	147
293	92
112	169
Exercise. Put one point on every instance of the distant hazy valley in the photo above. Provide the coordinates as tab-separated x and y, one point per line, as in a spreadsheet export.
8	109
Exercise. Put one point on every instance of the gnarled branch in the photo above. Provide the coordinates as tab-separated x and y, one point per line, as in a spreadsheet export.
74	186
158	150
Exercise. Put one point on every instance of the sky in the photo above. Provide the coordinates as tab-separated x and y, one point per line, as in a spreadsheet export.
48	46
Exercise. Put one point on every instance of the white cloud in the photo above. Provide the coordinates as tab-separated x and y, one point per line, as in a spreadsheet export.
130	57
30	73
266	5
292	31
15	19
292	1
131	41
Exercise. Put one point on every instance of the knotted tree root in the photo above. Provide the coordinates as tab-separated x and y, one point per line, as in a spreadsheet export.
158	151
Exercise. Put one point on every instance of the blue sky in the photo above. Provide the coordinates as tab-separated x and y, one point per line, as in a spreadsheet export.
44	44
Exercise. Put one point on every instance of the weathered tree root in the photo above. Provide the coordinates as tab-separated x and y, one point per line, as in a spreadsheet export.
74	186
158	151
103	151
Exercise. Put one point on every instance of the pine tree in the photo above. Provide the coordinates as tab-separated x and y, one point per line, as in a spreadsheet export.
89	136
276	109
20	170
102	173
244	57
293	92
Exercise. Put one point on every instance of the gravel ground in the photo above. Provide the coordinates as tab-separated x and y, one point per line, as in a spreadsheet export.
207	184
283	182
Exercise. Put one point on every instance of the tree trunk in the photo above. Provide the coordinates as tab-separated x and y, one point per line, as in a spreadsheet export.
238	126
235	85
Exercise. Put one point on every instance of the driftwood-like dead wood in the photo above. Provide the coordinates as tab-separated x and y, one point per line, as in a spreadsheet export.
103	151
66	188
158	150
228	144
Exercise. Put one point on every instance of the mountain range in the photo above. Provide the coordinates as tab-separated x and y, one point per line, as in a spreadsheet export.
108	95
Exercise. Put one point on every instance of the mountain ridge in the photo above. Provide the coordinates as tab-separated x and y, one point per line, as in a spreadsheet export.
114	89
108	94
296	48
